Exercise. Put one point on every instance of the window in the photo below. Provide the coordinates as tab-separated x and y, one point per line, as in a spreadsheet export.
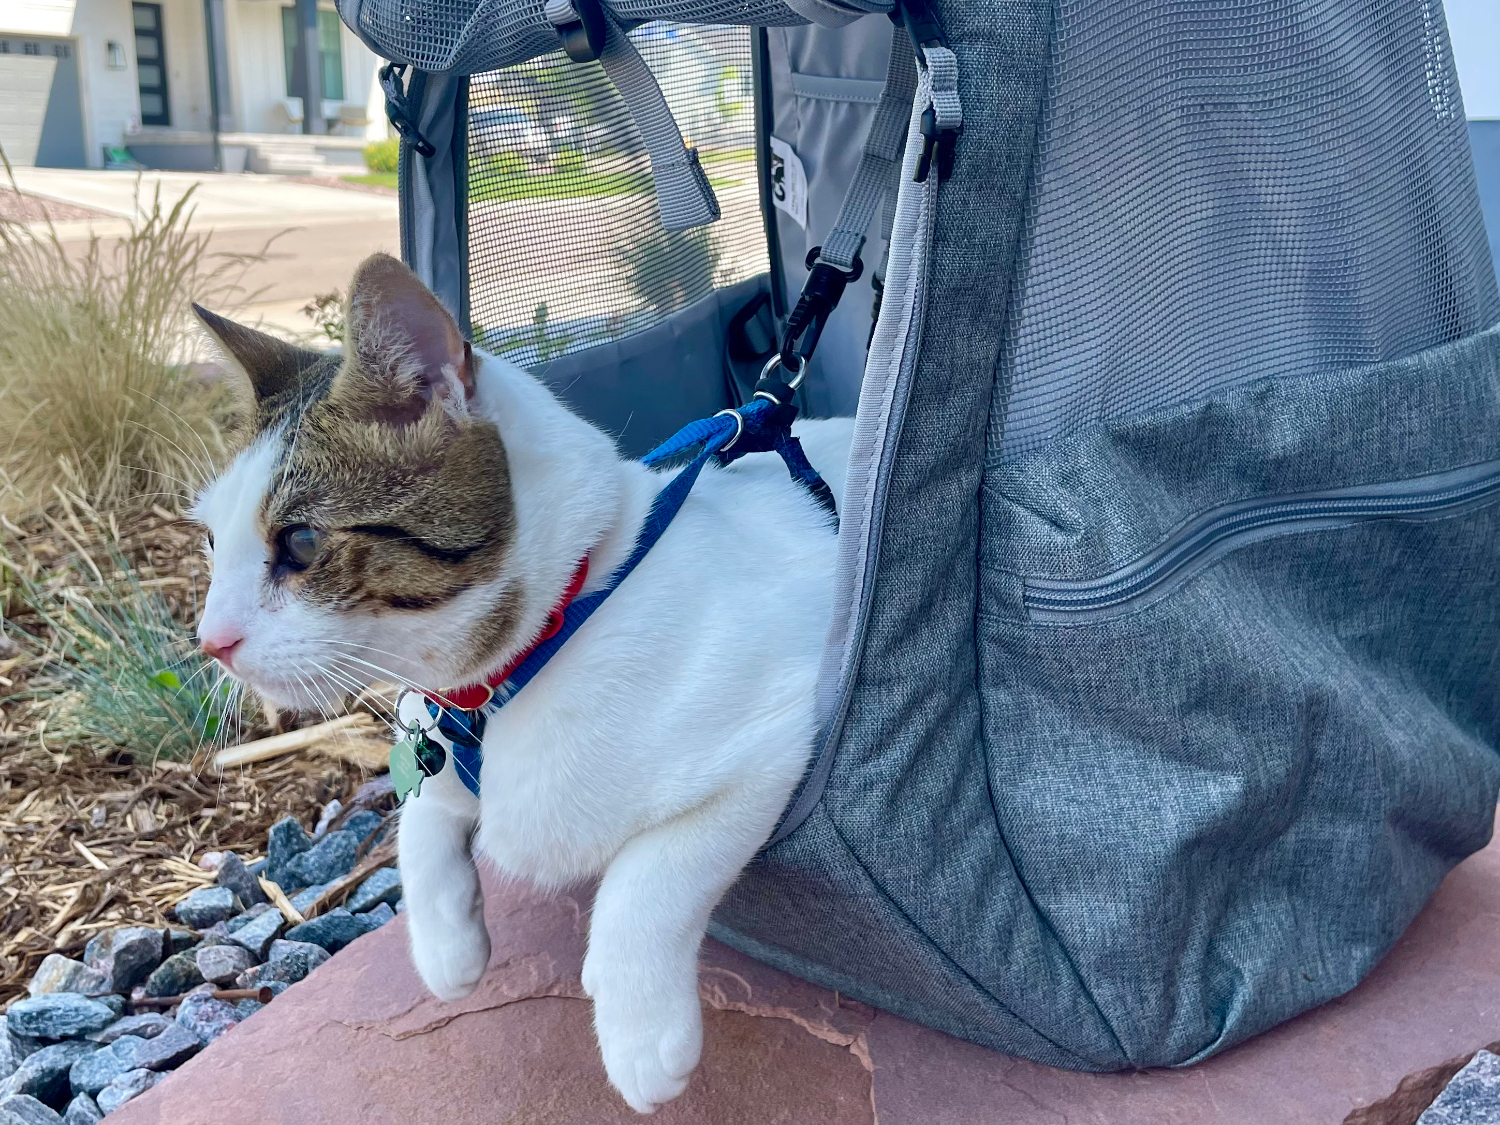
150	64
330	53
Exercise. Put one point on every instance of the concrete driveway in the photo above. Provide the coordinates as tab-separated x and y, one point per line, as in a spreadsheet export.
317	233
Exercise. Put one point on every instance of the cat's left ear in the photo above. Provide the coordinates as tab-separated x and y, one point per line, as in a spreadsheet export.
404	352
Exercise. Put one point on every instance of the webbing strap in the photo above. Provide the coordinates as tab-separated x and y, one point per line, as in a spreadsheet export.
881	159
942	69
683	194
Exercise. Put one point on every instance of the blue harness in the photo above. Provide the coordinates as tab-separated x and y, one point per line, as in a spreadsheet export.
763	425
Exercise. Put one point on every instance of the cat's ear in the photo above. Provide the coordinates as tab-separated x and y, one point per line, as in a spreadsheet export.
272	366
405	352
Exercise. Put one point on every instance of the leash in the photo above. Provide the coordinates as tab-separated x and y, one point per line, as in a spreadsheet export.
762	425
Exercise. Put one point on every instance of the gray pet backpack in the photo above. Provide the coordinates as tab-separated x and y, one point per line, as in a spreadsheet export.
1163	684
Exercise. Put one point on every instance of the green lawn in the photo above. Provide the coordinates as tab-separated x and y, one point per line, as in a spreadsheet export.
379	179
508	177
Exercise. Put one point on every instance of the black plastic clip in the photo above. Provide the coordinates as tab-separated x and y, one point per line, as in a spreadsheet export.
583	38
920	19
398	110
821	293
937	145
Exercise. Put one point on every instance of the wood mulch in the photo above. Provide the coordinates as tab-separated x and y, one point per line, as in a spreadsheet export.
89	837
23	207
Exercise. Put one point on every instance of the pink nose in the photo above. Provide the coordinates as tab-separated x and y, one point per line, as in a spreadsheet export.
221	648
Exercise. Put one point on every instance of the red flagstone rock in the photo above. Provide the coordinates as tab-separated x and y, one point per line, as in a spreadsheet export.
361	1042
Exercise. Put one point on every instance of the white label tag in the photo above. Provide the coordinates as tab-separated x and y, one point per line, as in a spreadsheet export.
788	181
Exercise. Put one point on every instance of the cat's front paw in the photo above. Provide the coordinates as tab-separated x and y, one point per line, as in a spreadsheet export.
450	960
650	1044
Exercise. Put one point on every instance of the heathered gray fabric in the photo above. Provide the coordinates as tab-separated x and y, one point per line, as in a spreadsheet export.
1135	841
1136	838
905	829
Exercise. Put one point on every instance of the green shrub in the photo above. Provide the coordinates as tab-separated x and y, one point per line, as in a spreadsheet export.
97	389
121	672
381	156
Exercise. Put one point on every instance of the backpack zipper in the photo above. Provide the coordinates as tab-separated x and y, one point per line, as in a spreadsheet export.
1205	539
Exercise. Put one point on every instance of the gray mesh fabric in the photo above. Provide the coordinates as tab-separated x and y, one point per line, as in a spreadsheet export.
566	246
472	36
1226	192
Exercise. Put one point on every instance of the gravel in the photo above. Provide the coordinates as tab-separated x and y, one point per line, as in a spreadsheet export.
62	974
175	975
146	1025
126	955
58	1015
233	875
127	1086
383	886
206	1017
220	964
44	1074
374	919
82	1110
1472	1097
286	842
172	1047
69	1048
290	962
332	931
22	1109
258	934
330	858
207	905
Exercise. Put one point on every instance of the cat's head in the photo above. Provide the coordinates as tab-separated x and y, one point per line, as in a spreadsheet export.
361	532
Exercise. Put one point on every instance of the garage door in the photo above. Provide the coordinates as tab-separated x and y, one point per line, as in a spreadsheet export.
42	122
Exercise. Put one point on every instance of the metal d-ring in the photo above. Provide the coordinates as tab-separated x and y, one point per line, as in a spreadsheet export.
739	428
775	362
418	722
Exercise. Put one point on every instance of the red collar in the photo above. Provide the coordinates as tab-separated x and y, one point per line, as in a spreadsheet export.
471	697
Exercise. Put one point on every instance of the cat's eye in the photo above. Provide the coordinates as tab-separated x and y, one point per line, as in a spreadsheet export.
298	546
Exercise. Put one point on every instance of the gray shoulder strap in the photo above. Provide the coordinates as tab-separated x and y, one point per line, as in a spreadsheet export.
683	194
878	164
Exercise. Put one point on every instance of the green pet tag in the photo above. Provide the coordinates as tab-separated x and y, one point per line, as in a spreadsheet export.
413	758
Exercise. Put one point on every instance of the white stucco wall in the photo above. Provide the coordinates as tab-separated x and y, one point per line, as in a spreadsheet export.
187	63
111	99
260	61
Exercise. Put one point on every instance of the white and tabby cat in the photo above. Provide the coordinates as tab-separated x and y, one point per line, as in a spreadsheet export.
411	510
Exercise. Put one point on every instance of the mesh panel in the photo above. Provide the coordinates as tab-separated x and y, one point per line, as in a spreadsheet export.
1228	191
566	249
471	36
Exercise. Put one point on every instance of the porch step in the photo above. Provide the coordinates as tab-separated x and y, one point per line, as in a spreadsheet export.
285	158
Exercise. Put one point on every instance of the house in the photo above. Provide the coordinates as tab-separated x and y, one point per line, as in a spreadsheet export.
81	80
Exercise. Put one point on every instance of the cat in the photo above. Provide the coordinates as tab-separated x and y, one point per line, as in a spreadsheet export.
410	510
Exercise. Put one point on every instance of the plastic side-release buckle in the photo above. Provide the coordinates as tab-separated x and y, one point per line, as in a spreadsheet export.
922	24
937	147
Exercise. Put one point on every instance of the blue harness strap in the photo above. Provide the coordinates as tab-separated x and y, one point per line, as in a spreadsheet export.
762	425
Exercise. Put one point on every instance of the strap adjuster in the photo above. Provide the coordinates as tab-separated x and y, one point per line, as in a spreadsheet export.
398	111
581	27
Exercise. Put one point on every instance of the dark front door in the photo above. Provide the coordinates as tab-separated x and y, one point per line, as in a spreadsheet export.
151	64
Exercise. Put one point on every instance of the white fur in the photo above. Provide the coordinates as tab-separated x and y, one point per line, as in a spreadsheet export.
658	747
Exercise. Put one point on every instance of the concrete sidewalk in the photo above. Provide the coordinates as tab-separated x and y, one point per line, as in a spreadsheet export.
317	234
220	202
360	1042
